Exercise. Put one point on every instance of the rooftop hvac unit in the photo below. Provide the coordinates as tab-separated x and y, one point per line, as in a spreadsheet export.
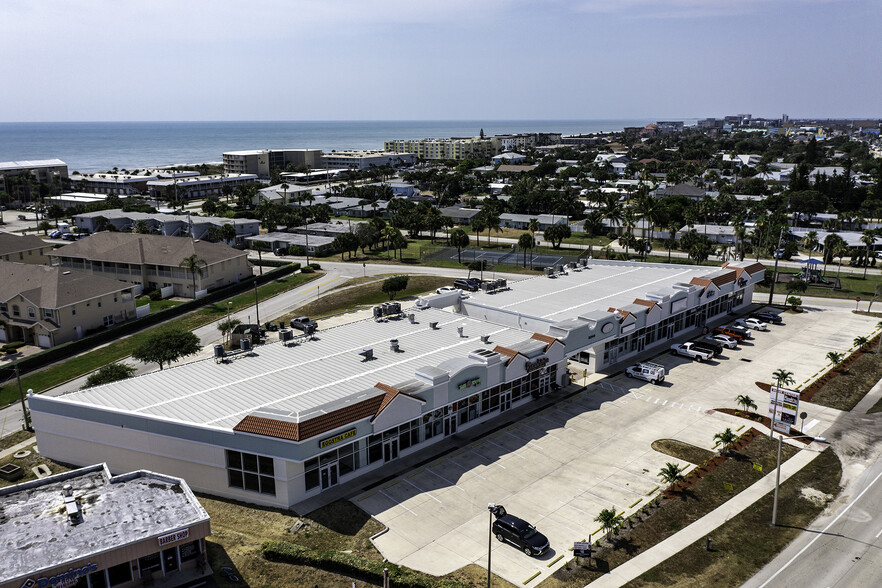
367	354
549	272
460	329
583	262
502	283
378	312
219	352
485	339
487	286
391	308
286	335
412	318
560	269
571	265
433	325
282	325
245	344
393	345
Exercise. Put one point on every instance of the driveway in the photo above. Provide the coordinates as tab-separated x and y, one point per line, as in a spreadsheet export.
559	467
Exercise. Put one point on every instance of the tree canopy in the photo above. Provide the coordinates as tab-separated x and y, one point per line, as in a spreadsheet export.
167	346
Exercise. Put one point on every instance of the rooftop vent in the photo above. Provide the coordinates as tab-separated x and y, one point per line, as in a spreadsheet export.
393	345
367	354
485	339
245	344
433	326
70	505
412	318
460	329
219	352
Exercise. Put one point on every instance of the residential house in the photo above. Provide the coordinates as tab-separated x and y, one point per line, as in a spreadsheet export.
46	306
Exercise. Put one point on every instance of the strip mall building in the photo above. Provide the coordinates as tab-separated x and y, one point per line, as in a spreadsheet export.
292	419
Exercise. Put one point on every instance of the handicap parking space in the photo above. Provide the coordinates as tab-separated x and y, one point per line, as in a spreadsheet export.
559	467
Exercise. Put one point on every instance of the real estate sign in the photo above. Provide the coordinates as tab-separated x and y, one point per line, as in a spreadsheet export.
783	408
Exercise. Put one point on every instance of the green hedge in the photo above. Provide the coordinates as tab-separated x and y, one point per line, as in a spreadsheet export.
349	564
268	262
11	347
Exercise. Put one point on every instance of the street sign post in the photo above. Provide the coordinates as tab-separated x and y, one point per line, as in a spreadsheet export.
783	408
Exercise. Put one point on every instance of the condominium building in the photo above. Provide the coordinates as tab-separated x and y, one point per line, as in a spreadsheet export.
197	186
263	161
364	160
16	176
23	248
123	184
154	261
457	148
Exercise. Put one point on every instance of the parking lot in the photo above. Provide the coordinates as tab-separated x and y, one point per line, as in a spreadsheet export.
559	467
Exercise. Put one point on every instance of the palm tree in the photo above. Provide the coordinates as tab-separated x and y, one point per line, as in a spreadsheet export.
745	402
840	250
868	238
810	241
195	265
783	377
479	225
861	342
459	239
726	438
835	358
608	520
526	241
671	474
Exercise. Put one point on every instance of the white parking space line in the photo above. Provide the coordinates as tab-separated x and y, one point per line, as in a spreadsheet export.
665	402
398	503
466	469
601	498
560	524
633	474
879	533
811	424
429	494
579	509
622	487
507	450
452	484
656	400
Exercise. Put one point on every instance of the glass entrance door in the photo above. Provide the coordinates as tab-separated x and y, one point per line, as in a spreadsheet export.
390	450
450	425
329	476
505	401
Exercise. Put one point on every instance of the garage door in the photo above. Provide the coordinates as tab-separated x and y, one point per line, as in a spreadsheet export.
2	335
44	341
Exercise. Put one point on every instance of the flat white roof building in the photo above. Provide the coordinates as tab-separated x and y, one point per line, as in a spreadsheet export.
324	409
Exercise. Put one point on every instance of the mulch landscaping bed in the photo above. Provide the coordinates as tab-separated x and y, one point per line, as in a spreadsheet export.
711	484
845	386
681	450
763	420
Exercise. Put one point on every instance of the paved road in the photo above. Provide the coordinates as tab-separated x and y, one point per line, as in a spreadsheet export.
843	547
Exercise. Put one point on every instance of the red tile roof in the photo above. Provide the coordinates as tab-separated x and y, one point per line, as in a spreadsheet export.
648	303
547	339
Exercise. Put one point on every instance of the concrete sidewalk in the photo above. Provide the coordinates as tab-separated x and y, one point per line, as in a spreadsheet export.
703	527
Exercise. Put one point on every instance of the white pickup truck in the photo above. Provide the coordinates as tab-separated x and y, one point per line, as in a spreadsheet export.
691	350
651	372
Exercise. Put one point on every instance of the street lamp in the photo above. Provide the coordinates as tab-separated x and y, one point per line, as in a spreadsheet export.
778	472
229	304
492	508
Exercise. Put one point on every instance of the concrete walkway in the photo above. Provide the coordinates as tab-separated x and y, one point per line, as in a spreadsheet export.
24	444
704	526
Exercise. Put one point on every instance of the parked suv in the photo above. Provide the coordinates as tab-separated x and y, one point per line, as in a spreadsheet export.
769	317
305	324
470	284
520	533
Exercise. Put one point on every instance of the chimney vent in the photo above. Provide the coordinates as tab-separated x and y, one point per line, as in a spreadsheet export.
485	339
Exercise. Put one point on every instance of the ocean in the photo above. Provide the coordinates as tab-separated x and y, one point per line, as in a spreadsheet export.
101	146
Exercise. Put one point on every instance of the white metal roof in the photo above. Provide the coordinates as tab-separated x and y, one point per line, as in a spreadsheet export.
298	381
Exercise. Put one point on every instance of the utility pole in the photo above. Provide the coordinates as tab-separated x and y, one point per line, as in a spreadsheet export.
24	408
775	274
257	309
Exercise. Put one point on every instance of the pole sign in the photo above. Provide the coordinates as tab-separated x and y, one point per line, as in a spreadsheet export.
783	408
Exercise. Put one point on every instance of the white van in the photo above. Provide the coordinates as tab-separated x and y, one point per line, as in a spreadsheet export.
651	372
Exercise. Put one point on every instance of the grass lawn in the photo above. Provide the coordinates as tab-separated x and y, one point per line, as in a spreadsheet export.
852	383
32	460
586	239
853	285
743	545
96	358
365	294
156	305
238	530
689	505
14	439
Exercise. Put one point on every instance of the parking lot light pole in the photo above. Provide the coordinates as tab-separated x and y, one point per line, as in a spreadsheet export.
778	472
775	274
492	508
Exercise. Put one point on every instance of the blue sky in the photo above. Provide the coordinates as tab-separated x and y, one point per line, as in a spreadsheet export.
425	59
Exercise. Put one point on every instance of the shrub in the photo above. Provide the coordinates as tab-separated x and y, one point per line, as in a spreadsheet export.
12	347
351	565
307	270
315	266
154	295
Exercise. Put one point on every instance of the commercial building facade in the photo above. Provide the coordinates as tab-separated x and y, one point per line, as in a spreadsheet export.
96	530
300	417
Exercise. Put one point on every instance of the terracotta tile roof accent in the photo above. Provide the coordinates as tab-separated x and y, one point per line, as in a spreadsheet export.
269	427
390	395
505	351
624	313
648	303
755	267
725	278
547	339
703	282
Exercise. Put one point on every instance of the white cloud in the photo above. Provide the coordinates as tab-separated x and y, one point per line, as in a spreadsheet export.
693	8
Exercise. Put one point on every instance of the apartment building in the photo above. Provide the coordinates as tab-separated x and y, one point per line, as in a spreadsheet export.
197	186
16	176
23	249
263	161
154	261
47	306
364	160
457	148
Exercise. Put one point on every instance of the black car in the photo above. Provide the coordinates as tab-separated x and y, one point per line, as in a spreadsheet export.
521	533
711	346
470	284
767	317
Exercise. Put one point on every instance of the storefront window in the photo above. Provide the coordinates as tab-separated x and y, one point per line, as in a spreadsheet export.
254	473
189	550
121	573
